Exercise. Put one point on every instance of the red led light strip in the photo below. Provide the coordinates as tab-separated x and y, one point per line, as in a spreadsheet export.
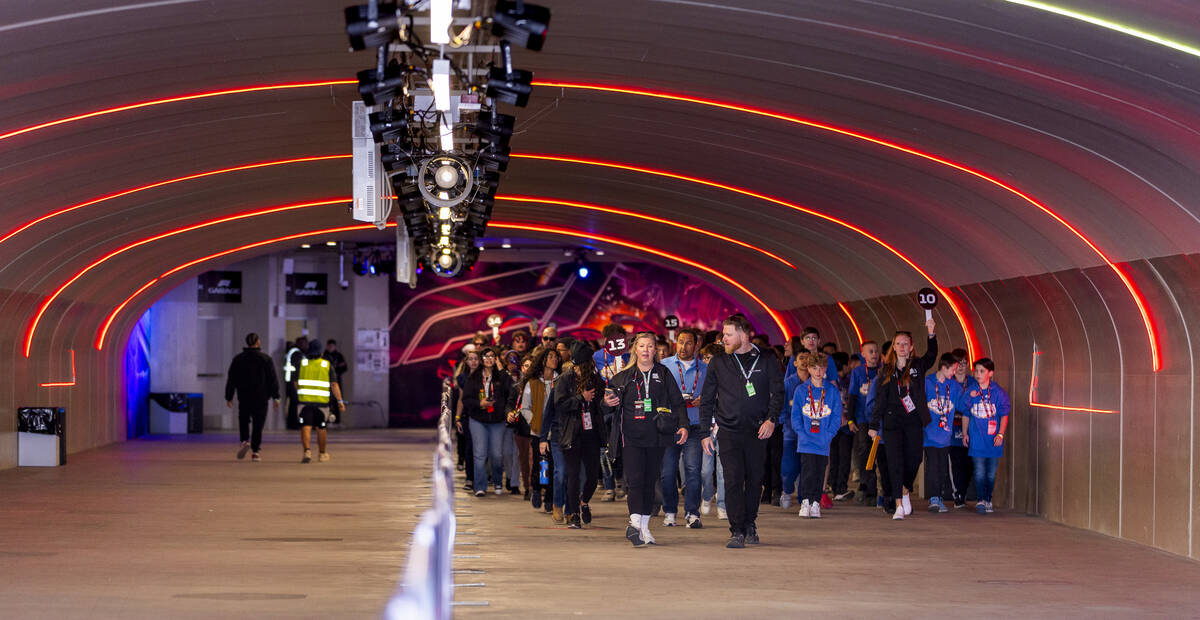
102	333
967	331
1138	299
154	102
1033	382
846	311
641	216
32	327
189	177
70	383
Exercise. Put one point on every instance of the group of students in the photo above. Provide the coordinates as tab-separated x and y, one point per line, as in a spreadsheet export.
560	417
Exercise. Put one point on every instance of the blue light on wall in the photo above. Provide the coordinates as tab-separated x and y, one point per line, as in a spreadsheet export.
137	379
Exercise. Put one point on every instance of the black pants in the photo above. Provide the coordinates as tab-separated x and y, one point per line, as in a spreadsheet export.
812	476
903	443
962	469
937	473
586	454
643	469
742	457
251	418
862	449
293	408
464	442
840	453
772	479
885	480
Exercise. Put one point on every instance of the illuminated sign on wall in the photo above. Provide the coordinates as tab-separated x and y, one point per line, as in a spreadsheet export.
307	288
220	287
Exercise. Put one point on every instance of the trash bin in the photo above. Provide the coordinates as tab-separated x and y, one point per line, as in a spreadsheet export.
41	436
176	413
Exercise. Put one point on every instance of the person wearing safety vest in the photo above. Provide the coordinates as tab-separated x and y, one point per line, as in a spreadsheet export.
314	383
291	365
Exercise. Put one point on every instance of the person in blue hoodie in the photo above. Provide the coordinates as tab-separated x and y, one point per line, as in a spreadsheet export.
943	392
816	417
790	467
858	415
986	406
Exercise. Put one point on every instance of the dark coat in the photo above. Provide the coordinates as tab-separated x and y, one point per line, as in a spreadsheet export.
252	376
633	426
504	393
888	411
569	407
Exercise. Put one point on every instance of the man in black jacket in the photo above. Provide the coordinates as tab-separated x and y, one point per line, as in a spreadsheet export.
252	377
740	402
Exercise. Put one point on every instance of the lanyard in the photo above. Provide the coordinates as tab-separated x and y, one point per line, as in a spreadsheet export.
746	375
487	387
812	402
695	379
937	394
985	397
645	382
899	372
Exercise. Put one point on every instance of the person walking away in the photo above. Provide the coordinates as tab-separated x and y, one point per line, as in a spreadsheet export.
252	378
314	383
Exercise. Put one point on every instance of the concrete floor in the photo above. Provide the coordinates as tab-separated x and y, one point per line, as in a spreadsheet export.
177	528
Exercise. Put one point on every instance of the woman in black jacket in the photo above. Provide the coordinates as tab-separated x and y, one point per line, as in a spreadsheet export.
487	397
902	413
648	412
580	432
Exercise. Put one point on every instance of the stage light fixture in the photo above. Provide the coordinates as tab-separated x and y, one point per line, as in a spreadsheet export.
374	90
388	126
506	84
495	128
366	31
521	23
494	158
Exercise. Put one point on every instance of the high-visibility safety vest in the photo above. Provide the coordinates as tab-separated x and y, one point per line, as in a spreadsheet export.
313	384
288	369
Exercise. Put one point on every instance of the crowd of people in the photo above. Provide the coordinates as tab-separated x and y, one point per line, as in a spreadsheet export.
728	419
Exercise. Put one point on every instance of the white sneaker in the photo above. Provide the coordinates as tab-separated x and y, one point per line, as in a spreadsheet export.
721	514
815	511
785	501
705	507
990	508
898	515
646	537
693	522
805	509
906	504
669	520
499	491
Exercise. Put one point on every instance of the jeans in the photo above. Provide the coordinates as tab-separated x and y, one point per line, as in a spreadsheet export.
560	474
985	476
691	452
606	471
790	467
487	439
709	463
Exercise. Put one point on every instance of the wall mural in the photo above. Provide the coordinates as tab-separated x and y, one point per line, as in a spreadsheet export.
433	321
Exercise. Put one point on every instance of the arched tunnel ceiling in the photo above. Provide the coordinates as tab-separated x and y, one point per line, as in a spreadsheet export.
1098	126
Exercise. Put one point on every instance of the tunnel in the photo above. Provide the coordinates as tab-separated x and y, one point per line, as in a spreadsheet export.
812	164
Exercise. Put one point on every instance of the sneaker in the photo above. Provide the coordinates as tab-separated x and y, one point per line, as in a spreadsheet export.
669	520
736	541
958	503
990	509
480	493
942	507
981	507
751	534
898	515
243	449
842	497
805	509
573	523
585	512
468	486
548	506
609	496
933	505
705	507
721	514
515	491
557	516
693	522
499	491
776	501
324	457
906	504
256	457
528	493
634	535
815	511
785	501
536	500
647	537
307	457
825	501
621	492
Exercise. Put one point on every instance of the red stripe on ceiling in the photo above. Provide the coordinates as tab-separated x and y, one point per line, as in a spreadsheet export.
853	323
1138	299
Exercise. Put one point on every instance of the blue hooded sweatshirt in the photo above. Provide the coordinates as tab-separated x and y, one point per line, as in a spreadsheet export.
785	416
982	408
828	401
943	400
957	439
860	377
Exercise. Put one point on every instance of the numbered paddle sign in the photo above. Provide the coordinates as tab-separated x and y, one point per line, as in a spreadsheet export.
927	298
495	320
616	346
671	322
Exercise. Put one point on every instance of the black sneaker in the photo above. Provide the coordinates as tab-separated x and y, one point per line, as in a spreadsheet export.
573	523
548	505
634	535
527	494
751	535
693	522
480	493
514	491
586	513
245	447
536	500
468	486
775	501
737	541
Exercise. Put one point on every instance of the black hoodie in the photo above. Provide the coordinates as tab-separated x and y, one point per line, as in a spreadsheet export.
252	376
724	399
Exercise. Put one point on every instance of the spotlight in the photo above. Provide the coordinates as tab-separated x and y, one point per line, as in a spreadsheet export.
511	87
495	158
582	267
388	126
495	128
372	89
583	271
521	23
365	32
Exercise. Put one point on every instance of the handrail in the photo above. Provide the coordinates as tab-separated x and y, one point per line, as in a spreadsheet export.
428	584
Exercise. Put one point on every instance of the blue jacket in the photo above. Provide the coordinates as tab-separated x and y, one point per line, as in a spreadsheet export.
856	398
691	382
981	408
829	417
959	425
943	401
785	415
603	358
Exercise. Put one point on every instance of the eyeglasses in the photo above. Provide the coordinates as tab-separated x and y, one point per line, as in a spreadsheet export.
547	338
